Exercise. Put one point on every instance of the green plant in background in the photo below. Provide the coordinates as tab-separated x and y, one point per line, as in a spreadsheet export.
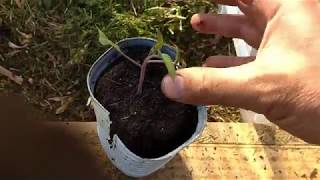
119	21
155	56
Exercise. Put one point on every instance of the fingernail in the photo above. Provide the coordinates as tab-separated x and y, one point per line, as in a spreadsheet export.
173	87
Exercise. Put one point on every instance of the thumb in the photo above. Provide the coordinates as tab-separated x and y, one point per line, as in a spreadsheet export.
233	86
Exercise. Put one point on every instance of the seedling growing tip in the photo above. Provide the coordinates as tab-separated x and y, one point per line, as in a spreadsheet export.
155	56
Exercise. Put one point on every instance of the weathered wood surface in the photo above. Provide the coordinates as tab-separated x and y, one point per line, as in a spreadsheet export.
225	151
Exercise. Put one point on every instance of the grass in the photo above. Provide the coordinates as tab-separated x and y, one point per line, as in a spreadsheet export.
60	42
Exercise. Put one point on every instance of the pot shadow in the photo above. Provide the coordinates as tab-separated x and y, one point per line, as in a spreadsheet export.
31	149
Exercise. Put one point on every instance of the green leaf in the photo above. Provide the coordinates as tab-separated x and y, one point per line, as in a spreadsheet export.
105	41
169	64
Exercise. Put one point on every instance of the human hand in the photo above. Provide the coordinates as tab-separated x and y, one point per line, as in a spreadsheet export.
281	82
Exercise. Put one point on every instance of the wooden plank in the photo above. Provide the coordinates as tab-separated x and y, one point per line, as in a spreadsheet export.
230	157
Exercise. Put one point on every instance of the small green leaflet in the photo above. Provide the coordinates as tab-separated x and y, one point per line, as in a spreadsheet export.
105	41
169	64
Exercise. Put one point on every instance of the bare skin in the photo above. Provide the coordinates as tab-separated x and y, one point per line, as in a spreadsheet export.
281	82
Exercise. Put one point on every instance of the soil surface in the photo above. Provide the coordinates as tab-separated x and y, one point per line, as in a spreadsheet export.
150	124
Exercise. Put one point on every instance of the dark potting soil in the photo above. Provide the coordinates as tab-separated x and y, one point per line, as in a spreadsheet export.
149	124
